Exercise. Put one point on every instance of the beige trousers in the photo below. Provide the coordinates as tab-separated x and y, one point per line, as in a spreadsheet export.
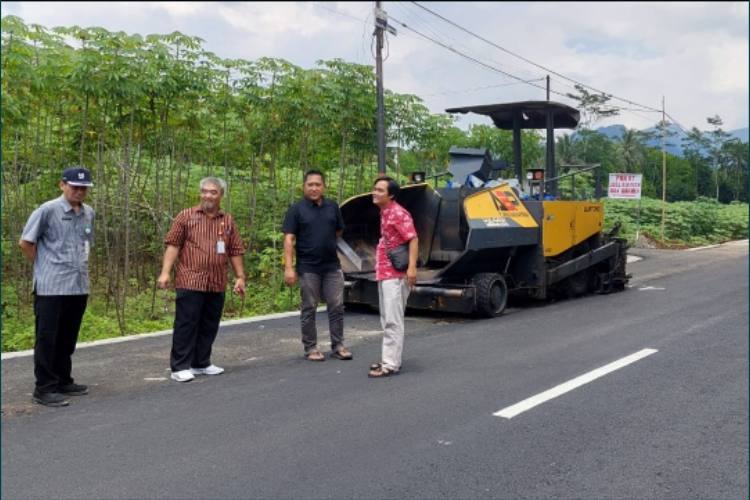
392	294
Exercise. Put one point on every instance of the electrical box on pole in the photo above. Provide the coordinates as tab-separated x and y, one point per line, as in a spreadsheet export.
381	21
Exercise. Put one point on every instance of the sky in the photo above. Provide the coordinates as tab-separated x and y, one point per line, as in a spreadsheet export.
693	54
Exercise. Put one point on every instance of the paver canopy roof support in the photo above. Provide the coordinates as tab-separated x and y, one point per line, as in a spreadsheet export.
516	116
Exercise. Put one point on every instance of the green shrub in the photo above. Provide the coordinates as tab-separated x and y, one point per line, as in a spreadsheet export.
697	223
700	222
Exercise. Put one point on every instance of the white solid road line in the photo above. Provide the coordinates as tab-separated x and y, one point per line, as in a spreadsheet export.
734	243
695	249
527	404
139	336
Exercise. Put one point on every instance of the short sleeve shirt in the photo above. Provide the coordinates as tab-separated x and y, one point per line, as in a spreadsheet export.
314	227
63	240
396	228
201	266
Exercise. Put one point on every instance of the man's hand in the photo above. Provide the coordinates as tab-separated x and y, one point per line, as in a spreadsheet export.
163	281
29	250
290	277
170	256
411	276
239	286
411	271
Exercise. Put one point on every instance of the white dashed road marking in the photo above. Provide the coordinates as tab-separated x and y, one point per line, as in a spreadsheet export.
527	404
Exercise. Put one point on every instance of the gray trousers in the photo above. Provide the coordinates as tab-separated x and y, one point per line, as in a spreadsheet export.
330	287
393	294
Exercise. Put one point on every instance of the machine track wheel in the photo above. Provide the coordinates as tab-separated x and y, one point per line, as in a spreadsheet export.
491	294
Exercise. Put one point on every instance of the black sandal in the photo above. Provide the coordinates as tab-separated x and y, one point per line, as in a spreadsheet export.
381	372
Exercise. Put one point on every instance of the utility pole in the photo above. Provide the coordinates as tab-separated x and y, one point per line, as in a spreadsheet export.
663	167
380	22
550	157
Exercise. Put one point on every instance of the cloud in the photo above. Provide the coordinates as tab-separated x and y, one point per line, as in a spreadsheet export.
611	46
178	9
276	19
695	54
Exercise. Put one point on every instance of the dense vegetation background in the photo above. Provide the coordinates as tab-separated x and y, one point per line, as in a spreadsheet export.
151	115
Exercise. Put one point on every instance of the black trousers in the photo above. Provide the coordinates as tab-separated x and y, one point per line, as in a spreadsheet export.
196	323
58	320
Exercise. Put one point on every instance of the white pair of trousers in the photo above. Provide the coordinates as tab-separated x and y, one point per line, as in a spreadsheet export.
392	294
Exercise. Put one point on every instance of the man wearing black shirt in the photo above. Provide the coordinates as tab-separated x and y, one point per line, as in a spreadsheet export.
311	226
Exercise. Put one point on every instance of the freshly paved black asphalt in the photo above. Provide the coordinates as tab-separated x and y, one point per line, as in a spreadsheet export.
673	425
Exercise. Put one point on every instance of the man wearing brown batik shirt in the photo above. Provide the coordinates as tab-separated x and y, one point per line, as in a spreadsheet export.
202	240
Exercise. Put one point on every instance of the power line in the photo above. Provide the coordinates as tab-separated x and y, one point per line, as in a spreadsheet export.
488	66
618	108
422	23
493	68
477	61
449	38
532	62
482	88
454	50
677	123
519	80
363	46
635	112
323	6
638	115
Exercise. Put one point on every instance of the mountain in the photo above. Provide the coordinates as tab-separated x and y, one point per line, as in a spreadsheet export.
674	136
673	142
613	132
740	133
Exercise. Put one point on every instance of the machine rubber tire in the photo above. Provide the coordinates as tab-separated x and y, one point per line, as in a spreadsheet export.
492	294
579	284
583	281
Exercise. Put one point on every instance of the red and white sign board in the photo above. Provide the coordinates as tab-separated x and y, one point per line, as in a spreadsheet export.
625	186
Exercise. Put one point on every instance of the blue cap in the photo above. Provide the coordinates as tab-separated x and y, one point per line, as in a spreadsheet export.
77	176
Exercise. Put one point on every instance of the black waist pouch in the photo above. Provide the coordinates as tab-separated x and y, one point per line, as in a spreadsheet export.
399	257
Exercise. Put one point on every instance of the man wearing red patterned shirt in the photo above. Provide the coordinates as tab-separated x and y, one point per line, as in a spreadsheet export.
396	228
202	241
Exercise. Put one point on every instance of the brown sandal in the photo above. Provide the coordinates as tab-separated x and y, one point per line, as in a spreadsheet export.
342	353
315	356
381	371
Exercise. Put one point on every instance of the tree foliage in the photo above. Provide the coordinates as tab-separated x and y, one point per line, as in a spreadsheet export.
151	115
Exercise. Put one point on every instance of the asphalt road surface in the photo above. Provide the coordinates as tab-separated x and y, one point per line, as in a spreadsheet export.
671	424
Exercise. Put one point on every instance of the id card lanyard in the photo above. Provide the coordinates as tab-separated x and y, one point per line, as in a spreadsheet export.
86	243
220	246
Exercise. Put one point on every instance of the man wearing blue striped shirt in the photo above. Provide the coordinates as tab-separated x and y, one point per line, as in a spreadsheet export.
57	239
